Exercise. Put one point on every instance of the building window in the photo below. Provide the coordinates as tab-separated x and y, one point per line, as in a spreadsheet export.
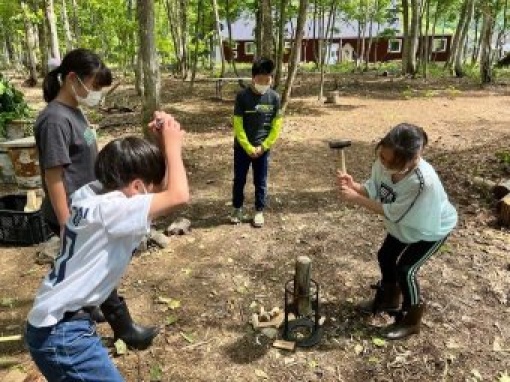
439	45
235	46
288	46
234	54
250	48
395	46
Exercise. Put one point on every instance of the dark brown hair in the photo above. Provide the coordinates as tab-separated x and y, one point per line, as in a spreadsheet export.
406	141
125	159
84	63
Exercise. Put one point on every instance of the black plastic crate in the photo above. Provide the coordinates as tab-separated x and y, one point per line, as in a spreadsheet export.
19	227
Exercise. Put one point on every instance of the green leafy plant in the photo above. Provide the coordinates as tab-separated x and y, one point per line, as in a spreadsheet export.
12	104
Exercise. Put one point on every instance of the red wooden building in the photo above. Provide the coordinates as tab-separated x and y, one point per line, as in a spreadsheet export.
345	49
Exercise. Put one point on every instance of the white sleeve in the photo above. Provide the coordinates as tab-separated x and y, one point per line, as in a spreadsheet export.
370	184
126	216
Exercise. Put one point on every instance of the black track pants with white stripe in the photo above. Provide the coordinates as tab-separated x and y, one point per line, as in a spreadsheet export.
400	262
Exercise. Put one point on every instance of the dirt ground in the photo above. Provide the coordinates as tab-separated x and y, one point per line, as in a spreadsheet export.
221	273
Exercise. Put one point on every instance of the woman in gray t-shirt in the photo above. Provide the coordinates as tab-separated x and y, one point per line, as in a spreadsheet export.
67	153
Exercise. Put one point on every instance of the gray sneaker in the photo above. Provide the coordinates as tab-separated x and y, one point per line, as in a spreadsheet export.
237	216
258	219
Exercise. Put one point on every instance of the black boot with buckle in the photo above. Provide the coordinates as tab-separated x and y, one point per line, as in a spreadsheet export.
134	335
407	323
387	299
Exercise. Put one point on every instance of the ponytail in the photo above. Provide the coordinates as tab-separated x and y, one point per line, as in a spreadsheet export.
51	85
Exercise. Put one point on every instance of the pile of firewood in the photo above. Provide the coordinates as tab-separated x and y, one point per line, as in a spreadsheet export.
501	192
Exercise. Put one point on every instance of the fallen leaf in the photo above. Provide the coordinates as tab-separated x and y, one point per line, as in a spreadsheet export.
170	302
156	373
504	377
476	374
358	349
379	342
7	302
496	346
120	347
261	374
188	337
171	319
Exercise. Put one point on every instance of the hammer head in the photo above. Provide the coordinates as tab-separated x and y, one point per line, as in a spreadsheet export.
339	144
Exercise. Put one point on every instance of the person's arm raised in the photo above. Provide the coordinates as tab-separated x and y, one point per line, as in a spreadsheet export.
176	190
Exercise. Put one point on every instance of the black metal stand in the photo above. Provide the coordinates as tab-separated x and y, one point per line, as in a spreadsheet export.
300	324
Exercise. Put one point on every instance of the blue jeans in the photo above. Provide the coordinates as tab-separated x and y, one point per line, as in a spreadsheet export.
242	162
71	351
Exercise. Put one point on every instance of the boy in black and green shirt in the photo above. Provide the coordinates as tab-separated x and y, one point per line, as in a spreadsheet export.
257	124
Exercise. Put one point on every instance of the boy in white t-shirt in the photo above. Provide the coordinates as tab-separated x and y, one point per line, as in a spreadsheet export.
406	190
108	220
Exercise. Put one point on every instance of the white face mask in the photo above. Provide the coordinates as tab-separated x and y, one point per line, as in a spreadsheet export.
93	96
262	89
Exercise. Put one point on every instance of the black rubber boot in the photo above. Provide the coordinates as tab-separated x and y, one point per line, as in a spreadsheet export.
97	315
387	299
135	336
408	323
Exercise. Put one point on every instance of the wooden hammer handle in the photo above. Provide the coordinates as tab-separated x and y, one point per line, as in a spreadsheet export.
343	168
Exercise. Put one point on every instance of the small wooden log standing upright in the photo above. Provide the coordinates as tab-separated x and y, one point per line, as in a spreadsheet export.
302	277
502	189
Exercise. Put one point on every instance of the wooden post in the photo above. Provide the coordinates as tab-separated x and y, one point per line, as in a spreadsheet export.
302	277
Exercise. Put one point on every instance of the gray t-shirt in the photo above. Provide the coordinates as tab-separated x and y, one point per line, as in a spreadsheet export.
64	138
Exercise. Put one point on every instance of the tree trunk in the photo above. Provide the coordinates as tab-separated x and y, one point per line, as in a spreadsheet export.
75	21
281	43
267	49
30	42
326	50
151	80
501	35
413	37
458	32
50	16
42	31
370	34
67	29
197	38
486	48
476	40
230	41
259	38
173	17
426	41
220	40
139	72
459	70
184	38
295	54
407	40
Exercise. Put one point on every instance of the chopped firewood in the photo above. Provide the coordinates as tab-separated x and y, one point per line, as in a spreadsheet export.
159	238
181	226
284	345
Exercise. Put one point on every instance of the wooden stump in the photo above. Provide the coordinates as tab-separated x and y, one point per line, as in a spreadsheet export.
333	97
502	189
503	208
302	277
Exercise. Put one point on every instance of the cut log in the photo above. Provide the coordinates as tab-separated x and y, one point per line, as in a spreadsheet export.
284	345
302	277
333	97
159	238
484	183
503	209
502	189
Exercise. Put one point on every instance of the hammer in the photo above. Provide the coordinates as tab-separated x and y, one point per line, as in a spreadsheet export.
340	145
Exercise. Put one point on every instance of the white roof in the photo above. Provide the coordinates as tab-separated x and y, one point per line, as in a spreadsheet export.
244	28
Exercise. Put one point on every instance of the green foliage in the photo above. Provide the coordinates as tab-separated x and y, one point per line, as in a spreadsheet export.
503	157
12	104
